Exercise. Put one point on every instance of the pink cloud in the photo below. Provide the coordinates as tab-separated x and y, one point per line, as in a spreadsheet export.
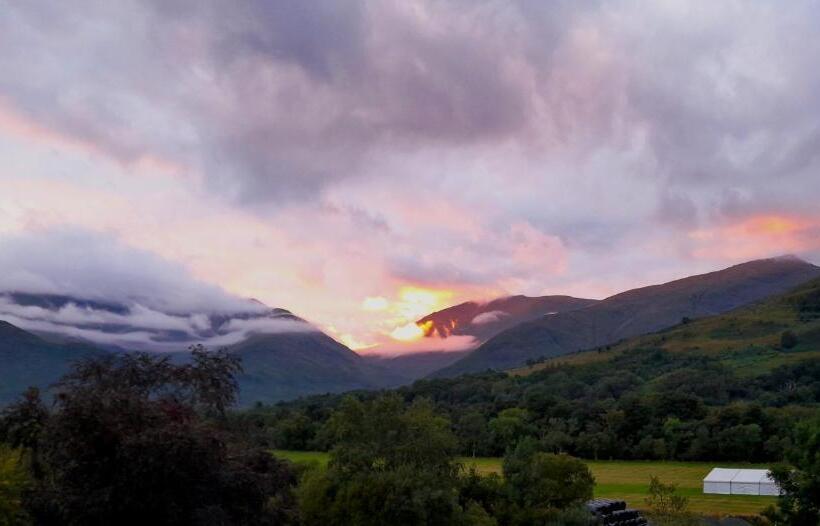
758	236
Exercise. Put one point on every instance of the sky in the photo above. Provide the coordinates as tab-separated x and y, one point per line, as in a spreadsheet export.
362	163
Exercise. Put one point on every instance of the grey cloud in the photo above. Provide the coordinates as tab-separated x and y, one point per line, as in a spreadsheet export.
89	286
96	266
279	102
269	100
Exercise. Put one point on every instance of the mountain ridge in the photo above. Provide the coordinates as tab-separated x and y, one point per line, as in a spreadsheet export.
483	320
634	312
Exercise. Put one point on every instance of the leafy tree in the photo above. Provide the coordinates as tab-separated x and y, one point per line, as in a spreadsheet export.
541	483
667	507
390	465
472	432
128	442
488	491
14	481
510	426
21	425
799	504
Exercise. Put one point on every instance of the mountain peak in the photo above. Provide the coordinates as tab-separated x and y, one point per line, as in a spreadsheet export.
790	258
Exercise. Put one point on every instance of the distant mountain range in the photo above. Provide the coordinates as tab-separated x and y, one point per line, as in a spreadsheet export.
285	357
635	312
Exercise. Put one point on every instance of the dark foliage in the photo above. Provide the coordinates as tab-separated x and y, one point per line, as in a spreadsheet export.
390	465
644	404
136	439
394	463
800	480
788	340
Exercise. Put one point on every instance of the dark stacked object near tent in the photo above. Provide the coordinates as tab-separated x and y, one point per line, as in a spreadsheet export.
615	513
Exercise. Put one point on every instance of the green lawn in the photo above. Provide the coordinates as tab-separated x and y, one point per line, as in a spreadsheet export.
626	480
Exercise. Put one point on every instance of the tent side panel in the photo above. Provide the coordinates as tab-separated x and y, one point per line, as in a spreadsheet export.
769	488
745	488
717	488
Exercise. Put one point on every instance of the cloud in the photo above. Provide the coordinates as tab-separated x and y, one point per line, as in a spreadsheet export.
719	93
428	344
489	317
92	287
96	266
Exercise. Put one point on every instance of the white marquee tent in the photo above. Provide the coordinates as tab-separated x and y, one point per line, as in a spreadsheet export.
723	481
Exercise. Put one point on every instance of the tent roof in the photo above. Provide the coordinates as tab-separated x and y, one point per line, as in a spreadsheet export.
738	475
721	475
751	475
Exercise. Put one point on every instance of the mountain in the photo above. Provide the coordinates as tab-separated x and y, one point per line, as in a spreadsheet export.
287	366
144	324
283	356
414	365
485	320
636	312
28	360
474	322
758	338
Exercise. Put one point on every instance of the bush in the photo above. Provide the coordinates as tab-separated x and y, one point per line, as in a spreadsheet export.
546	481
667	507
788	340
14	481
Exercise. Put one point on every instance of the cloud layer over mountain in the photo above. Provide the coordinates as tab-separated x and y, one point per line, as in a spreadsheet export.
316	153
91	287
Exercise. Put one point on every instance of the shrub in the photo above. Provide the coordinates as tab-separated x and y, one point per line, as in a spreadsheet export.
14	481
667	507
788	340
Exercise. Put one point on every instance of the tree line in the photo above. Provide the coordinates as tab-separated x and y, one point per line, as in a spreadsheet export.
643	404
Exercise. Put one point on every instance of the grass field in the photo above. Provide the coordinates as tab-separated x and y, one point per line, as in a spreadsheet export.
626	480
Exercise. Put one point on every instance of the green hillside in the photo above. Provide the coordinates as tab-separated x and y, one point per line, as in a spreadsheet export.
749	340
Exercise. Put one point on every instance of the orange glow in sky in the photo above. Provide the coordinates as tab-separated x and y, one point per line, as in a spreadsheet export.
772	225
407	333
398	315
759	236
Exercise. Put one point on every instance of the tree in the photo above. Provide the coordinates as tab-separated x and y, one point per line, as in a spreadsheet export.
799	480
510	426
390	465
667	507
542	482
129	442
21	425
472	432
14	481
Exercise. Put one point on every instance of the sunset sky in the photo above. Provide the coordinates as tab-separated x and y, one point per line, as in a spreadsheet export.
362	163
